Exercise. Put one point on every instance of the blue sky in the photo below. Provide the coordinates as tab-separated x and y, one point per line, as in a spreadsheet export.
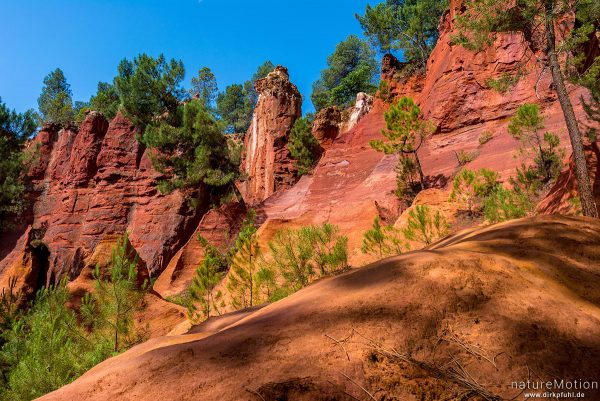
88	38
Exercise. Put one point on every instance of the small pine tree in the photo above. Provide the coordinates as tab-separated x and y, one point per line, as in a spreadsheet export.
204	87
202	289
45	348
110	310
246	257
424	226
504	204
292	257
303	146
382	241
330	249
265	283
55	102
405	133
471	188
527	126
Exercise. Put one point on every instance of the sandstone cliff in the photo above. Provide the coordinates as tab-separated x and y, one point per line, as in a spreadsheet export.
90	184
266	159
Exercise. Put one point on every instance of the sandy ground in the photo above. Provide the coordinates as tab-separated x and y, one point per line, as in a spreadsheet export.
460	320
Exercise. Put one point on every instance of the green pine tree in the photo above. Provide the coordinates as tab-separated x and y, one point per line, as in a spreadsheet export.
202	289
425	226
55	103
117	296
405	133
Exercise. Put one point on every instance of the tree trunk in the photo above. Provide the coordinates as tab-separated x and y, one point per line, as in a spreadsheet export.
421	176
588	205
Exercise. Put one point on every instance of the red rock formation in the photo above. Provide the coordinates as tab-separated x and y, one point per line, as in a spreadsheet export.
326	126
266	159
352	182
559	199
219	227
97	183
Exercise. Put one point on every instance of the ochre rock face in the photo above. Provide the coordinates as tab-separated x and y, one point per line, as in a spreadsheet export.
326	126
219	227
561	195
266	160
94	183
352	182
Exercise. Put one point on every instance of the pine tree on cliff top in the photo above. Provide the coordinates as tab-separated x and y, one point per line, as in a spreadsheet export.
483	19
15	128
55	102
410	26
204	86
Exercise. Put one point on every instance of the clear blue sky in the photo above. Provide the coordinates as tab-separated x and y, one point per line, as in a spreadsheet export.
88	38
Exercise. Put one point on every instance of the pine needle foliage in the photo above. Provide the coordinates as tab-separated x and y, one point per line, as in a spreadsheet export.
109	311
383	241
424	225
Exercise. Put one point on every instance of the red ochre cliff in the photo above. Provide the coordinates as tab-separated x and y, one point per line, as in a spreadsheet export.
95	183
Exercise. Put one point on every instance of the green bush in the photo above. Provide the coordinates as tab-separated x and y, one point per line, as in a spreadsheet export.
425	226
149	88
383	241
192	152
463	157
471	188
303	146
485	137
504	204
351	69
302	255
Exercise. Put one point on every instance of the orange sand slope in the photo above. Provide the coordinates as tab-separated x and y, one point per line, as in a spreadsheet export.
466	316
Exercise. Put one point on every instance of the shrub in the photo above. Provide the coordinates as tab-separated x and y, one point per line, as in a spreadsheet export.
526	126
503	83
302	255
385	93
425	226
383	241
191	153
117	296
303	146
45	349
463	157
504	204
485	137
471	188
